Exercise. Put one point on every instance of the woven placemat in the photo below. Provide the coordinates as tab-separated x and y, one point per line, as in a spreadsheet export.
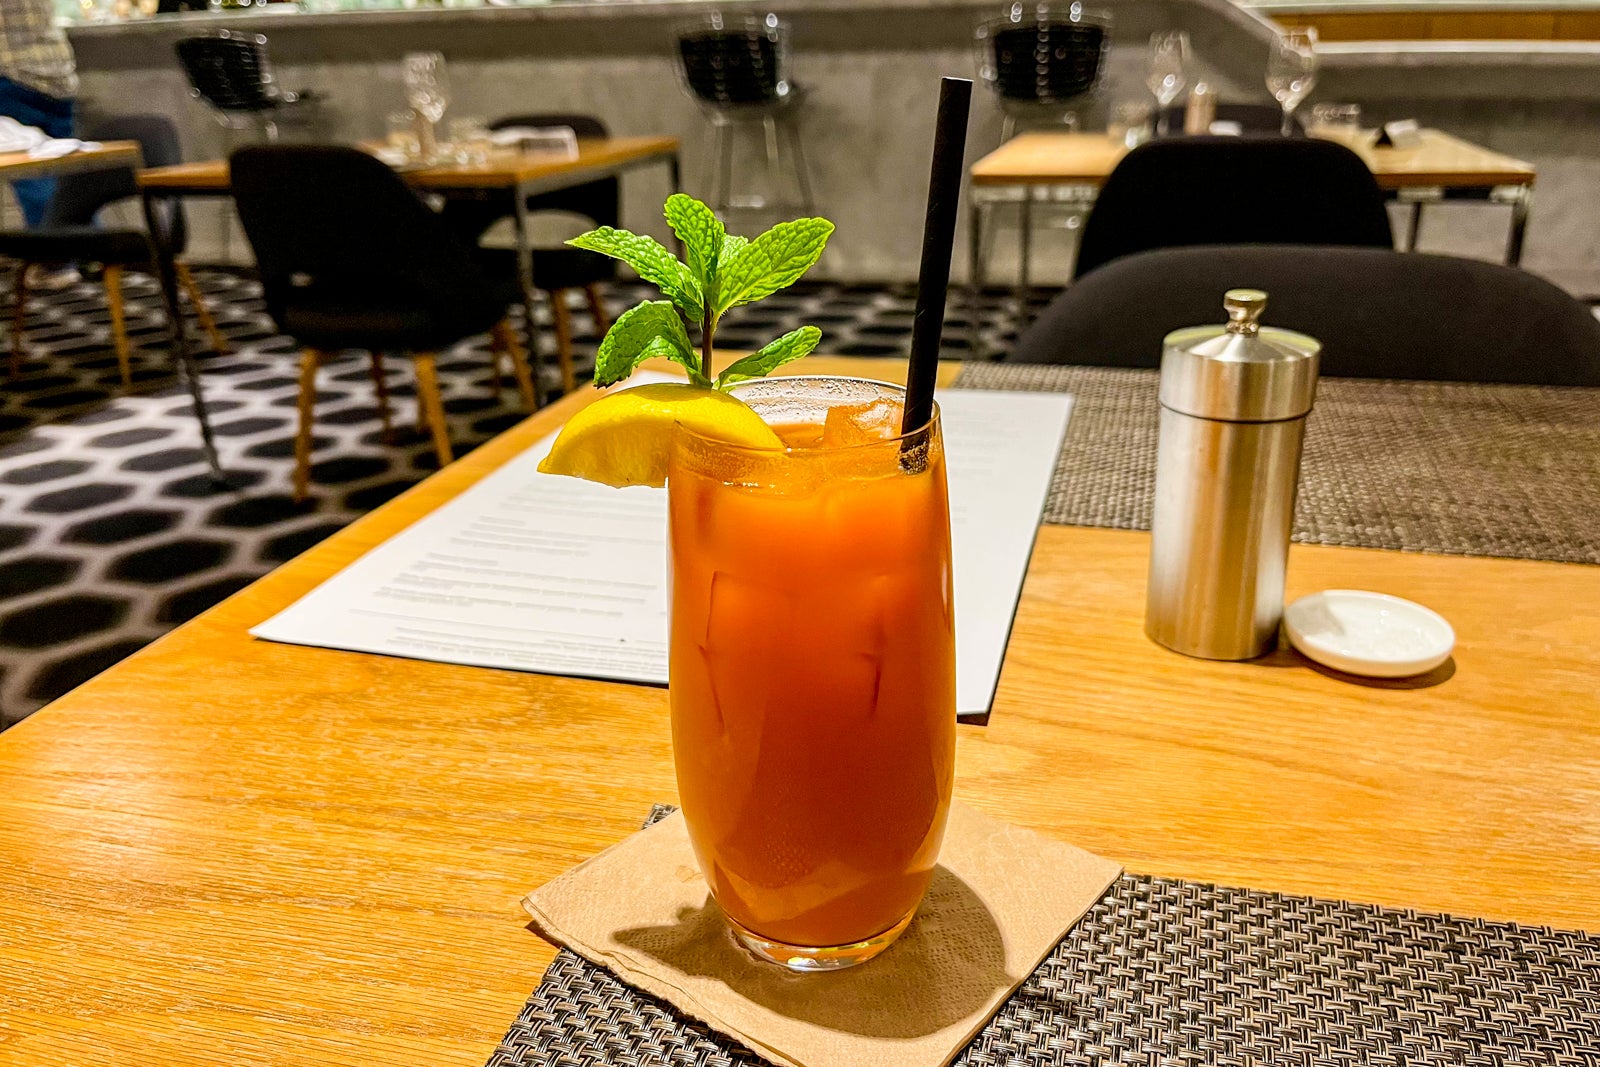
1454	467
1167	973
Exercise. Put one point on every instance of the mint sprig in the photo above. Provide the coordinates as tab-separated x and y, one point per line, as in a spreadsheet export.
724	271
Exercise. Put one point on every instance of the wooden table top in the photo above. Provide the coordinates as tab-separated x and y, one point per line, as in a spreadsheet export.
225	850
1088	158
15	165
501	171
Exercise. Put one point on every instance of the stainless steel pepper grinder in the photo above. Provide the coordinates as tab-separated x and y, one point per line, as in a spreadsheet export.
1234	401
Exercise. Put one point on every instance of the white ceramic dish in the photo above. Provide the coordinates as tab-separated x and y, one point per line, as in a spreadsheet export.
1371	634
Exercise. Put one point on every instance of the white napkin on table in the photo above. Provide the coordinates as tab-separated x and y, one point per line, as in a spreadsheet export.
17	137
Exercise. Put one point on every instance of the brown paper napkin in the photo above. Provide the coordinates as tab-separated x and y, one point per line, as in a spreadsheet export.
1001	898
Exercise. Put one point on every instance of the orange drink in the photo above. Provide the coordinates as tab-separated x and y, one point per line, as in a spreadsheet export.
813	667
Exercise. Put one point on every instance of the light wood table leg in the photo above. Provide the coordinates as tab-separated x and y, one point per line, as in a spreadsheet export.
597	308
310	360
119	325
380	385
432	404
495	351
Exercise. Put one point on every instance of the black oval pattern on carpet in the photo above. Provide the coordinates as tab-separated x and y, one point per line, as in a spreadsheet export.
111	531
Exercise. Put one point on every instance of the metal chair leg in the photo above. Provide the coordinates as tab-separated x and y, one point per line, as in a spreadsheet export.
724	196
769	135
802	173
119	325
19	314
432	404
713	164
1024	254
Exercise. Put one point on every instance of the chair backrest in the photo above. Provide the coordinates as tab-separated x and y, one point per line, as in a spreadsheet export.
1234	190
229	70
325	220
1378	313
1046	61
734	66
598	200
79	197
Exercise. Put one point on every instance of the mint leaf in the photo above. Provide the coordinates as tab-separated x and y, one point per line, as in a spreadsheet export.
773	261
702	234
732	245
650	261
786	349
640	333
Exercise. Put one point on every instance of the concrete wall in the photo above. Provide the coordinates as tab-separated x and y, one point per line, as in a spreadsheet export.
870	70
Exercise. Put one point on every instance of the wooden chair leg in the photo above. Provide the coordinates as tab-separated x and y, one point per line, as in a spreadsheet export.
380	384
563	323
119	326
496	381
219	343
597	308
310	360
19	316
432	404
504	339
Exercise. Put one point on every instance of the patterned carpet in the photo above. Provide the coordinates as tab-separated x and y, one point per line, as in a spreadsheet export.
111	530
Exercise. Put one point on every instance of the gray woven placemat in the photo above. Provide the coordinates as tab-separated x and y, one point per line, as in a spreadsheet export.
1167	973
1454	467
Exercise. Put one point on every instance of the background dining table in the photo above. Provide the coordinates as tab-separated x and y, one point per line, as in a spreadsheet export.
226	850
1068	168
509	177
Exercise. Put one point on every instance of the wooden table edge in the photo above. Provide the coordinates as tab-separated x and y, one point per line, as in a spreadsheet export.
212	175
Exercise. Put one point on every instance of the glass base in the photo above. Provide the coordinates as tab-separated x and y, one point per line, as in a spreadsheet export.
810	958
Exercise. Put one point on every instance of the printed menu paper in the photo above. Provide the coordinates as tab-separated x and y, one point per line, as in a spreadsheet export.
536	572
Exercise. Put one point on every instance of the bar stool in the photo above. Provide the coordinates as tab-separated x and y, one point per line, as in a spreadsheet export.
229	70
734	66
1043	61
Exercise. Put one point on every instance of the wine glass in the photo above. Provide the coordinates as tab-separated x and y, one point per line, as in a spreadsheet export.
1169	60
1292	71
428	92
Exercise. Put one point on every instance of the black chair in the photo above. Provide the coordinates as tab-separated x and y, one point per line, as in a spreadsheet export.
229	70
555	270
736	68
1379	313
70	234
1234	190
1256	119
1042	65
360	262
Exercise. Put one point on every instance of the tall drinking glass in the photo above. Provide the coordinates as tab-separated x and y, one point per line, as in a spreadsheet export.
1292	71
427	83
813	668
1169	72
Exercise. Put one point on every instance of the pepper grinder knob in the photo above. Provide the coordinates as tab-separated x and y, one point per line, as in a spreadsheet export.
1244	310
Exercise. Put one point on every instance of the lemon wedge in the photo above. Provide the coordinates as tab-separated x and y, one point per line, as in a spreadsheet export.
626	438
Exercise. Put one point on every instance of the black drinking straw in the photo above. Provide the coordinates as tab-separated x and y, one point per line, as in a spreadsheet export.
938	243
